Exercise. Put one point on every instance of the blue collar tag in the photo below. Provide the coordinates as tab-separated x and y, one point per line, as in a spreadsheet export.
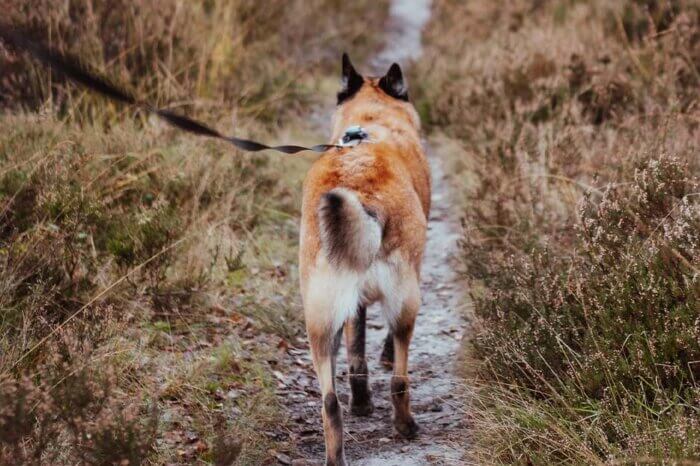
353	136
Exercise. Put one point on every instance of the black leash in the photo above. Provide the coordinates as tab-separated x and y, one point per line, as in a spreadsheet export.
76	71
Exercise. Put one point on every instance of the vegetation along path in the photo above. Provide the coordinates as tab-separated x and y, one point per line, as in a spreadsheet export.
436	342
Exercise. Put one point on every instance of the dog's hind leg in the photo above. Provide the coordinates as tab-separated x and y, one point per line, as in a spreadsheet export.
355	329
324	348
387	356
403	331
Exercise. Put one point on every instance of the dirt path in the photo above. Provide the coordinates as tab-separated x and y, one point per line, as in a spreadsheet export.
371	441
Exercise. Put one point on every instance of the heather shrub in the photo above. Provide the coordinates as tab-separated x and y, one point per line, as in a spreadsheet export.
573	144
630	279
601	338
70	412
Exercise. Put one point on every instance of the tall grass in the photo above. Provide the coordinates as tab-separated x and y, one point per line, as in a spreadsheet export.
138	265
576	134
239	55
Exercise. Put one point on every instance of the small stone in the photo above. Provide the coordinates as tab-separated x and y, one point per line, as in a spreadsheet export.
283	459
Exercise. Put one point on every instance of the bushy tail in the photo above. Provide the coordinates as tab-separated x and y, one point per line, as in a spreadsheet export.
350	234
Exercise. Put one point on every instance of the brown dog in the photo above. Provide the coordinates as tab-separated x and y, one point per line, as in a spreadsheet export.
363	231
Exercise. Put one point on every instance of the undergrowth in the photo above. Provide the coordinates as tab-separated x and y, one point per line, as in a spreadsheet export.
574	133
258	59
148	279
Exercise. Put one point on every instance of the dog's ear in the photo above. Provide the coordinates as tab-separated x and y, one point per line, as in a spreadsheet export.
351	81
393	84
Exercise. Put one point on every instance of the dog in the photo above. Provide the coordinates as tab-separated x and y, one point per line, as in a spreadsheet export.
363	231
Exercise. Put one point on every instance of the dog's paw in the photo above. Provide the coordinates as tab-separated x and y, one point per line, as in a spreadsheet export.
361	408
339	461
408	428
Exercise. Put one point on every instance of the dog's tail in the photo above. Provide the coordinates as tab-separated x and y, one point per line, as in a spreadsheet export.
351	235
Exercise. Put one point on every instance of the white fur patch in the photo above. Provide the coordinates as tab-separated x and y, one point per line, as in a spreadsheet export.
393	282
334	293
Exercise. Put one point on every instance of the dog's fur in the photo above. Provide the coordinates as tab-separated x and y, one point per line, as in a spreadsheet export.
363	232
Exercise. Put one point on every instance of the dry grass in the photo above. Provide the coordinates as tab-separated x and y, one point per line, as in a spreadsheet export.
574	142
147	278
257	60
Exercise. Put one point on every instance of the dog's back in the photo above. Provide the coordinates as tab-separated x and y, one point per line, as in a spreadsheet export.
364	218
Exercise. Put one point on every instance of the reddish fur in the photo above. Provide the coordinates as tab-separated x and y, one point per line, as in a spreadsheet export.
391	177
396	185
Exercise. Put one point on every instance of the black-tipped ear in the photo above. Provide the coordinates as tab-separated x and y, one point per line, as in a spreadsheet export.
351	80
393	83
